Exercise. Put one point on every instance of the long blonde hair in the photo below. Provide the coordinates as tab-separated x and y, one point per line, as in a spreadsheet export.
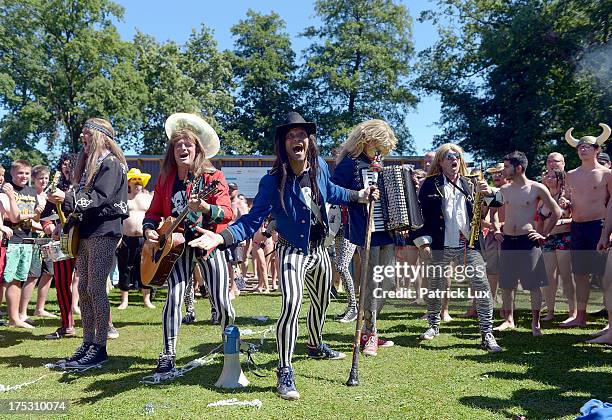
441	152
200	163
377	130
99	141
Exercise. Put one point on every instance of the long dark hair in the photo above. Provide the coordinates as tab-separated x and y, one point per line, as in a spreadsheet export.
64	183
281	164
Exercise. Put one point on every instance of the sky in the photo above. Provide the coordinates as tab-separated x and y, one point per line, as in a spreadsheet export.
174	21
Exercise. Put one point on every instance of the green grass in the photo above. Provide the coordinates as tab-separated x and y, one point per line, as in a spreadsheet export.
448	378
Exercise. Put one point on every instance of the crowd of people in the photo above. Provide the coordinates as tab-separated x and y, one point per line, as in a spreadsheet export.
305	229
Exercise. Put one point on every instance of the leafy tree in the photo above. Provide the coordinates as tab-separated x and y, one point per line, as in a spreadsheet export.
192	78
62	62
263	64
509	74
357	68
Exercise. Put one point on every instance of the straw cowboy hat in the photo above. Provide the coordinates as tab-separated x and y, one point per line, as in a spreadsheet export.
136	174
199	127
494	169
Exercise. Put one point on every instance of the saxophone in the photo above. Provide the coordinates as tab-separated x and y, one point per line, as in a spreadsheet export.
477	212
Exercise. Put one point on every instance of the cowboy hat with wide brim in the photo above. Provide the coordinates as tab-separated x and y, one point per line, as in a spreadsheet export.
136	174
293	120
207	135
494	169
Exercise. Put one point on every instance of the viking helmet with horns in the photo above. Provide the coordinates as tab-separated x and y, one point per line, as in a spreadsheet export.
589	139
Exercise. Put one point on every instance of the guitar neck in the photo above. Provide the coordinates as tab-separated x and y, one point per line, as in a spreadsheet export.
60	213
209	190
178	220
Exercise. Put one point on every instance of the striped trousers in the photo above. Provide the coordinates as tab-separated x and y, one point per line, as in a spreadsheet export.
297	270
190	297
63	271
478	282
216	276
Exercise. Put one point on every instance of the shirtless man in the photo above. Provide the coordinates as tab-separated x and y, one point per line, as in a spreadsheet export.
130	247
521	257
590	188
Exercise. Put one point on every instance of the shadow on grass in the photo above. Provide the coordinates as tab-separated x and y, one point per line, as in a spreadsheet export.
204	376
560	360
14	336
531	403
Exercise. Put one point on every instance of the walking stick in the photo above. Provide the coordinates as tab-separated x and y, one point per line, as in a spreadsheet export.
353	379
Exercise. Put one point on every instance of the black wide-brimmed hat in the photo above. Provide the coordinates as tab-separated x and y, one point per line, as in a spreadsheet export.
292	120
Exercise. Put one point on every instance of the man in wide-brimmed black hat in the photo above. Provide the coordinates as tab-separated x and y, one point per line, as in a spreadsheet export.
295	193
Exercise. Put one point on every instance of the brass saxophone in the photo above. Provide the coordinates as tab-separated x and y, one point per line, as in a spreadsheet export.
477	212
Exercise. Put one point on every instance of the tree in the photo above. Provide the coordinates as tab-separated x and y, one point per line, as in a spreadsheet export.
263	64
62	62
509	74
193	78
357	68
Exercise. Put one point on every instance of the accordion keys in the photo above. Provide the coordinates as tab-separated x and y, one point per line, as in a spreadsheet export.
398	208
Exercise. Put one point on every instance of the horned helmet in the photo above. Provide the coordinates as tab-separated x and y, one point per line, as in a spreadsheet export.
589	139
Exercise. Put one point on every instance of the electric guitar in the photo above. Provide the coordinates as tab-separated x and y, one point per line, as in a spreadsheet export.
69	235
69	241
157	260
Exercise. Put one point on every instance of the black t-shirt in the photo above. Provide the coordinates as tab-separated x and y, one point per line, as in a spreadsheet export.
179	202
317	230
26	202
179	196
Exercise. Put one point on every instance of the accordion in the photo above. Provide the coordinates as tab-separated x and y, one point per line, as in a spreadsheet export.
398	208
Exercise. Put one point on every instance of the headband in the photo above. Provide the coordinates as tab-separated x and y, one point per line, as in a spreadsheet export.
98	127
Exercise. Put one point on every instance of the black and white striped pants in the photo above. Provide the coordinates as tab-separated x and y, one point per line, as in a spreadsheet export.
215	273
190	297
297	269
478	282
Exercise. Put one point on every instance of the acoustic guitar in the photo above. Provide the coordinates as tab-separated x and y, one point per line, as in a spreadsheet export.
157	260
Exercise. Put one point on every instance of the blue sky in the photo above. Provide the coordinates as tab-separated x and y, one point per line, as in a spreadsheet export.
174	21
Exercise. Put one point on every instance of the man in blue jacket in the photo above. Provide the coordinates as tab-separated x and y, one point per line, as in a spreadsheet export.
295	192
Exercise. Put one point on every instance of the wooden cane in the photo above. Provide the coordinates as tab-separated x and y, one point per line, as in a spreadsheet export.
353	379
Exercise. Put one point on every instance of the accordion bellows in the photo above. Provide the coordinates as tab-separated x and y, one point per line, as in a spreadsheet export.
398	208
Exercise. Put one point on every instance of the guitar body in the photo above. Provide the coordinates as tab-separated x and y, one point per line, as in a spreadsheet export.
157	260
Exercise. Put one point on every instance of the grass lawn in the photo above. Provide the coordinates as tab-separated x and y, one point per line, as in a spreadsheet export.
447	378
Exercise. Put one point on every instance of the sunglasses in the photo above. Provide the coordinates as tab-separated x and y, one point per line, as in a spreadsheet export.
453	155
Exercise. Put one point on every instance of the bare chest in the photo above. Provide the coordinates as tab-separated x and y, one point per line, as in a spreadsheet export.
523	199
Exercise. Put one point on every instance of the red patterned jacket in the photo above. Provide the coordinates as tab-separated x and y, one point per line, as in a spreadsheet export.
161	207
